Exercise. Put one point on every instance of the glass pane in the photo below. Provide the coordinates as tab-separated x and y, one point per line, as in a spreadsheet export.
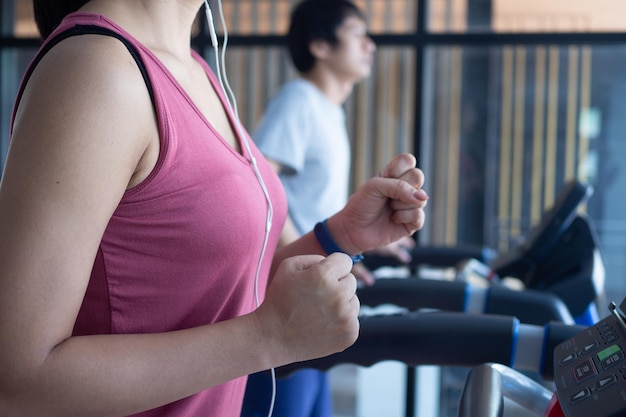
559	15
448	15
255	16
380	112
271	17
13	63
23	25
390	16
526	16
506	127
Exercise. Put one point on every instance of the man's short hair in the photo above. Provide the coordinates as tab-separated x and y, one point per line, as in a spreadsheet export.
314	20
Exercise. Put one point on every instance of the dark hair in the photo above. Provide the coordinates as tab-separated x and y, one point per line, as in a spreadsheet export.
50	13
313	20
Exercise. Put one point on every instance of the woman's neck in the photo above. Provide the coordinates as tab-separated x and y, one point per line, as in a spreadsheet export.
161	25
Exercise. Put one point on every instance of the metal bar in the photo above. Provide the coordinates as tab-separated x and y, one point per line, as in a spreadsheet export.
538	133
572	114
517	155
585	100
552	127
454	146
504	203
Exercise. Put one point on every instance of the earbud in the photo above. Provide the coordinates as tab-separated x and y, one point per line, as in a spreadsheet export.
209	18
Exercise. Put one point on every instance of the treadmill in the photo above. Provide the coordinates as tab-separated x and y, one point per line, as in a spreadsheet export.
589	372
559	265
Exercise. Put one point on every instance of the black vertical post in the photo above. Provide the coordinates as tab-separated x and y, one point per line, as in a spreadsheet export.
420	32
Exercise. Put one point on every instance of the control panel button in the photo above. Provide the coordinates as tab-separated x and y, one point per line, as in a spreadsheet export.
580	395
584	370
610	356
605	382
568	359
589	347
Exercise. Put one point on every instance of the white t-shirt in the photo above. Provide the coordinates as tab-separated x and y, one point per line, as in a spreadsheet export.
306	133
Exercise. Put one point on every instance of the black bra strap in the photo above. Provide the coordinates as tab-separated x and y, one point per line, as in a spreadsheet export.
84	30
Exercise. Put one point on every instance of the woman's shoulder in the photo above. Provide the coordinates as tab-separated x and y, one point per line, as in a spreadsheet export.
92	68
87	87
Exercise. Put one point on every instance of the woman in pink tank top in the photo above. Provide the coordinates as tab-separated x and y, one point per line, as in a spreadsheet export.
140	227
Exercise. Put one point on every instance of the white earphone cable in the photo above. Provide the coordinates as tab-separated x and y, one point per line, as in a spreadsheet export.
232	102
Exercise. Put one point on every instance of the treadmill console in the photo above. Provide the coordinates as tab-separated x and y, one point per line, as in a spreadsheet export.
590	368
555	221
543	237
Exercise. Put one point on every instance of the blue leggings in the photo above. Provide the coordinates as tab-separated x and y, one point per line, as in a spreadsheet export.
304	393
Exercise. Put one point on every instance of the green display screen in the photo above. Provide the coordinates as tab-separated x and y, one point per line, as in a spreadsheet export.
602	355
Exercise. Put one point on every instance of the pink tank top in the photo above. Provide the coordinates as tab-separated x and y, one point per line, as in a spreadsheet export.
182	247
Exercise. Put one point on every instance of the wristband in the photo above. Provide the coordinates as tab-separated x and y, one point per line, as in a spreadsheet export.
328	244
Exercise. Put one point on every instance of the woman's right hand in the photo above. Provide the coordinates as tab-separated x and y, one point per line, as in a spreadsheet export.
310	309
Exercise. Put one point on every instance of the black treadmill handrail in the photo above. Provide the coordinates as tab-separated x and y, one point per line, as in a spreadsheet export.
530	306
438	338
